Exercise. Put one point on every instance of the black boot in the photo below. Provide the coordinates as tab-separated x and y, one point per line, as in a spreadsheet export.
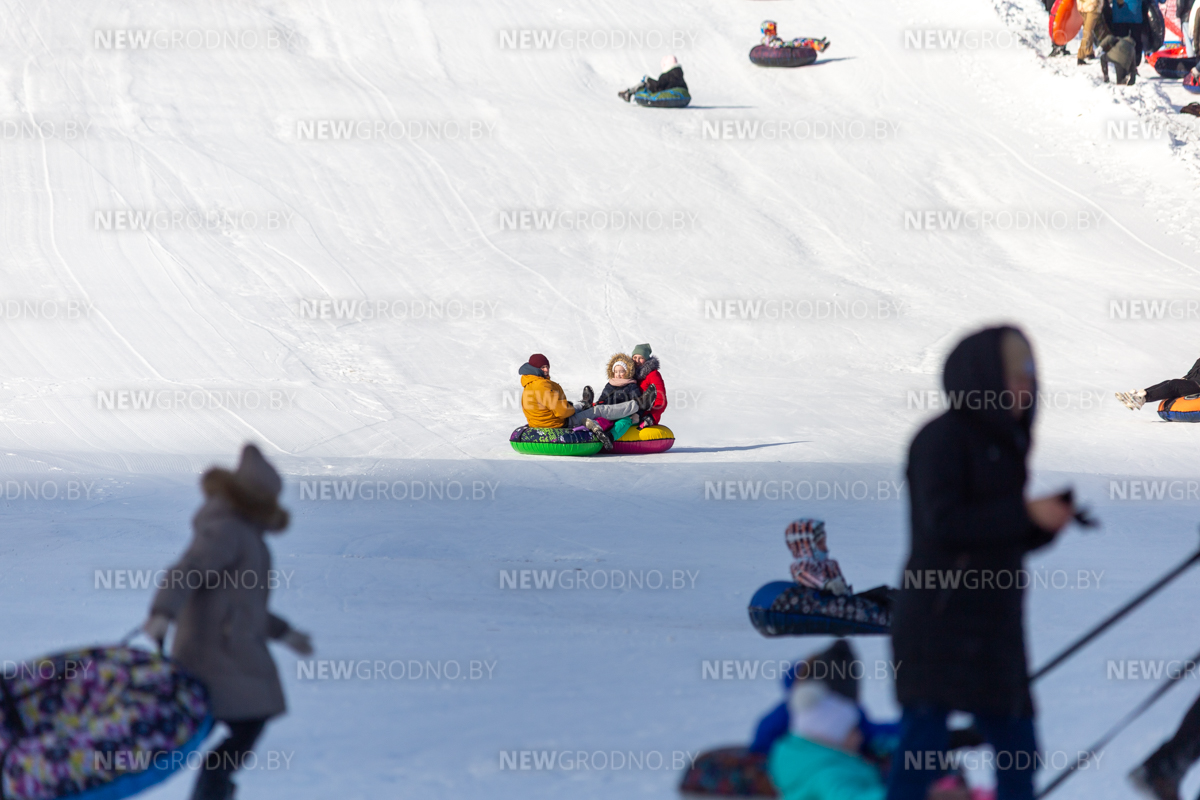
647	399
601	436
588	397
625	94
1156	779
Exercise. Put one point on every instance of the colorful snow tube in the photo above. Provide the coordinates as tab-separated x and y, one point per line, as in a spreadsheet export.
785	608
765	56
554	442
1191	84
97	724
1065	21
1181	409
668	98
639	441
728	772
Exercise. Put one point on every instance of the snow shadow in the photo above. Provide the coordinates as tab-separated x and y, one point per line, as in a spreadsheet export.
732	449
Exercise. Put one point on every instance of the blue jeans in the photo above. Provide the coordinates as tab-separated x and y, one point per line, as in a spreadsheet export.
922	756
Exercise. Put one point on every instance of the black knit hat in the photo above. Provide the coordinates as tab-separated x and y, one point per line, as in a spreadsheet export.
835	667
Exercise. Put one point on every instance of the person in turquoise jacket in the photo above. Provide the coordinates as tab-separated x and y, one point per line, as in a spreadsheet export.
818	759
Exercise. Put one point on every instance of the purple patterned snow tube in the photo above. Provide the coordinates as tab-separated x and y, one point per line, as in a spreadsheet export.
96	724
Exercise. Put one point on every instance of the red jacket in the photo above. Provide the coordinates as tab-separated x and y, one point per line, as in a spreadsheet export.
648	375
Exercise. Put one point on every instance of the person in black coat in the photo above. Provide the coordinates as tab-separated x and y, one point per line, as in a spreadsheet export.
622	386
957	629
671	78
1167	390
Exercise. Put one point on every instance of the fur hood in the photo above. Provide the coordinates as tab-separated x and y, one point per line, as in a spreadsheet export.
630	368
256	507
647	366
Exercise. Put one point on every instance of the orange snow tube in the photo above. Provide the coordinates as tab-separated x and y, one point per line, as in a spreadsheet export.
1180	409
1065	21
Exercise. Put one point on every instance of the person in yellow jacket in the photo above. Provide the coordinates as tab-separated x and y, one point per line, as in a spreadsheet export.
546	406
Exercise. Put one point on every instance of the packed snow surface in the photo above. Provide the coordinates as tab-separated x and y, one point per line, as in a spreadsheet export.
338	228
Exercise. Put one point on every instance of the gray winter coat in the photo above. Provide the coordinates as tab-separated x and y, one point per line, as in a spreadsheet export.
217	595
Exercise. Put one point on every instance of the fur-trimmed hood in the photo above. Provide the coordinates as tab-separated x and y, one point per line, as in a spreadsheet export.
630	370
254	506
646	367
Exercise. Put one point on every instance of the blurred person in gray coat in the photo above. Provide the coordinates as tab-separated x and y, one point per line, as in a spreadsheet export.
216	595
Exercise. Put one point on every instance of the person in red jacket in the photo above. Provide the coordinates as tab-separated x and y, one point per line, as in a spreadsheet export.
647	376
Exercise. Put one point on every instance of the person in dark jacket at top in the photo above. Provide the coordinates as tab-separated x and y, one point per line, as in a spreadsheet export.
671	78
1167	390
961	640
1127	19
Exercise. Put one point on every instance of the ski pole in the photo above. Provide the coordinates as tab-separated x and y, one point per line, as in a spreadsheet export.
1115	616
1112	732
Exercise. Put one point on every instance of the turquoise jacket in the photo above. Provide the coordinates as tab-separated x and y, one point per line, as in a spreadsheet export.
804	770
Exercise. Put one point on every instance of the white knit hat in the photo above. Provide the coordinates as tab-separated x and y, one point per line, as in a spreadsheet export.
821	715
668	63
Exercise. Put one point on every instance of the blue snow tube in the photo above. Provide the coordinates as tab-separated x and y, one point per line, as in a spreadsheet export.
785	608
677	97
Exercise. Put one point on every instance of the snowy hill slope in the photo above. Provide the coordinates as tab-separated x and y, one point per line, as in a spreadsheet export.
982	136
854	218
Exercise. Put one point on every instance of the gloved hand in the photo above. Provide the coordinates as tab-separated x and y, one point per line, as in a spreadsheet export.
299	643
156	627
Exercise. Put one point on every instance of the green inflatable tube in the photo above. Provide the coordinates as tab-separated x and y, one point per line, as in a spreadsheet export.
555	449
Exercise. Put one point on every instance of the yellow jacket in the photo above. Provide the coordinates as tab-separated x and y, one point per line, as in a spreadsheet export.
544	402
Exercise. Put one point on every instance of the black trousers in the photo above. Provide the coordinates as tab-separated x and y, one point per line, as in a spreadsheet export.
227	758
1176	387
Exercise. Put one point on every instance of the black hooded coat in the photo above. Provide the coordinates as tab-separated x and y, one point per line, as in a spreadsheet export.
959	638
1193	373
671	79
